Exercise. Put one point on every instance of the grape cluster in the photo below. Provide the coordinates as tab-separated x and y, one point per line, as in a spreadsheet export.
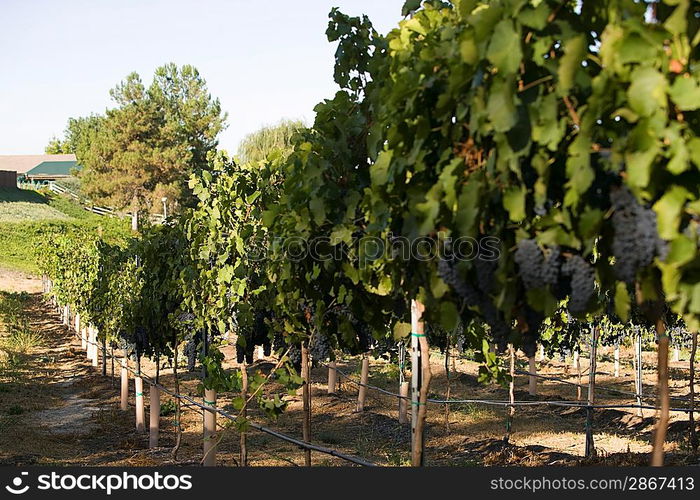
636	240
530	262
582	283
320	347
448	274
295	357
478	297
257	334
365	339
485	274
551	267
141	340
194	338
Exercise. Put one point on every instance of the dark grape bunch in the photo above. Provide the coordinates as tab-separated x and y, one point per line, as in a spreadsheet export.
365	340
194	338
582	283
257	334
485	274
551	267
530	262
295	357
320	347
477	297
636	241
140	340
450	276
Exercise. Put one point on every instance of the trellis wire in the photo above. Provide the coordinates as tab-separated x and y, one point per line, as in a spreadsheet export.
490	402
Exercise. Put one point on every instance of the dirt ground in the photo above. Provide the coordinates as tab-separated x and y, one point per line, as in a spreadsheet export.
17	281
57	409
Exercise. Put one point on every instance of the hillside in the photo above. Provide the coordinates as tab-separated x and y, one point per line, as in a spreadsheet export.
17	205
27	216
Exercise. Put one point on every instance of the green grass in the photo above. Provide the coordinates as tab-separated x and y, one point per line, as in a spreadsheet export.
17	205
28	217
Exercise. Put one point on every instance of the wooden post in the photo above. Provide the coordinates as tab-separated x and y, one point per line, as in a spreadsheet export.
125	385
617	359
691	415
104	356
259	352
403	403
590	445
154	420
332	377
364	379
244	414
639	373
676	354
532	386
657	453
511	393
577	366
135	220
306	396
420	381
138	390
209	429
66	316
540	351
77	322
88	342
83	338
95	360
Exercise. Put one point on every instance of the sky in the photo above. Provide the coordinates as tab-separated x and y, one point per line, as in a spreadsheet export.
264	59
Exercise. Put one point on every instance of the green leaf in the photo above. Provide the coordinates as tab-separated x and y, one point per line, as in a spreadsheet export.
693	146
647	93
341	234
468	208
685	93
681	251
677	23
380	170
574	52
468	49
668	211
634	48
449	316
410	6
514	202
501	106
639	165
535	18
622	301
504	50
318	210
402	330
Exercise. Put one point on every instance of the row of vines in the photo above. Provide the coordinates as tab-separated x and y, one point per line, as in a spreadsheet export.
505	172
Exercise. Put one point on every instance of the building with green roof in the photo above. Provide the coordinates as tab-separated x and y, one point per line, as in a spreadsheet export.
52	170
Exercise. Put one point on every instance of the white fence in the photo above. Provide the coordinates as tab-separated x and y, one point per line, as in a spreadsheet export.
85	202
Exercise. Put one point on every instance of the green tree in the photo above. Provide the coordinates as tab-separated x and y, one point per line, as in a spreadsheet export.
148	146
56	147
76	136
256	146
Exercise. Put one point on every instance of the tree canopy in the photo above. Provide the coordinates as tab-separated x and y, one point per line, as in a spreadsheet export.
256	146
147	146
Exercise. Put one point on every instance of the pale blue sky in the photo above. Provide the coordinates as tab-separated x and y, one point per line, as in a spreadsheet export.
265	60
